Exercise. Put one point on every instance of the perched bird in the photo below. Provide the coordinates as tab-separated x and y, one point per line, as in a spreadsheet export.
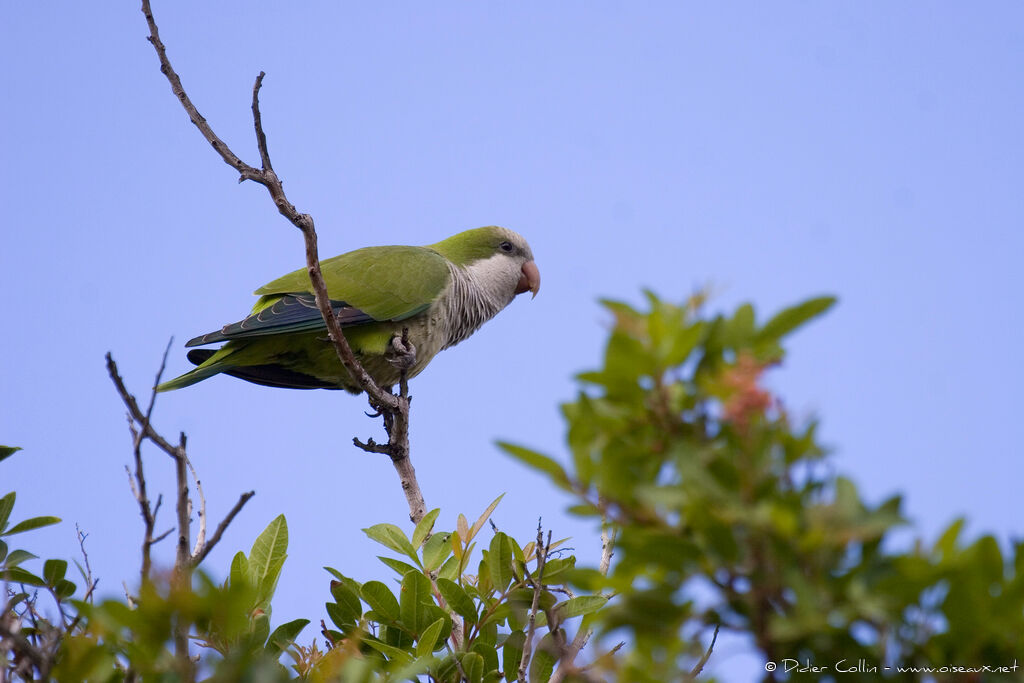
442	293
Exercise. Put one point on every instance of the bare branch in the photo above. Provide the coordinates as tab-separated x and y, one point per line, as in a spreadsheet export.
569	655
21	646
257	120
394	407
542	554
707	655
242	500
201	533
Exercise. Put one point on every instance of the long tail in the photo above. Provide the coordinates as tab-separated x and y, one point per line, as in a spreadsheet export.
208	367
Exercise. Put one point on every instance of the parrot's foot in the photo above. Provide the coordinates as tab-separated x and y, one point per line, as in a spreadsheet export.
402	353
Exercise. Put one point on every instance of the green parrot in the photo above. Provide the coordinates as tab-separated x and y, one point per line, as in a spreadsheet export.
442	293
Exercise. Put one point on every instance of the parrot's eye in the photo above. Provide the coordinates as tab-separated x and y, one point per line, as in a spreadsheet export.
506	247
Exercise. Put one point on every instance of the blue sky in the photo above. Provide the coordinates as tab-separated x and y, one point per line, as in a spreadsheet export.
771	151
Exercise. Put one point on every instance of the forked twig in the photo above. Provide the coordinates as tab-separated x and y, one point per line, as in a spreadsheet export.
395	408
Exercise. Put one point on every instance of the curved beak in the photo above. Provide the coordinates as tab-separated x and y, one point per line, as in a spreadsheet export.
529	281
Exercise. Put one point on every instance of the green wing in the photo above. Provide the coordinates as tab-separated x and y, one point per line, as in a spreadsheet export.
367	285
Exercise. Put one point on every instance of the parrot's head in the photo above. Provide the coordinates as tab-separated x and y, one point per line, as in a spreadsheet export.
498	259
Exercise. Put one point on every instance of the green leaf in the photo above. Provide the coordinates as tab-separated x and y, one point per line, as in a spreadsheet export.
16	557
946	543
481	520
473	666
15	600
29	524
401	568
352	584
512	654
347	598
340	616
435	550
489	654
425	526
544	659
54	571
392	653
500	561
64	589
537	461
268	554
583	604
284	635
450	569
414	596
381	600
558	569
8	451
788	319
239	574
458	600
6	505
19	575
428	639
394	538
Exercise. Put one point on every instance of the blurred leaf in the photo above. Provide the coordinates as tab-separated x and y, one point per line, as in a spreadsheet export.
6	505
16	556
29	524
64	588
54	571
19	575
788	319
537	461
6	452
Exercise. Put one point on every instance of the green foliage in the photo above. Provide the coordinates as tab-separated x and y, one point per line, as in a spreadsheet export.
722	510
231	623
726	515
440	619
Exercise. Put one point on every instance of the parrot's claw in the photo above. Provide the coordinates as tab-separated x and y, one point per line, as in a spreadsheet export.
402	353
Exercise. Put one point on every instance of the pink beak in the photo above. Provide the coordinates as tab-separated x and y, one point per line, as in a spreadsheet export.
529	281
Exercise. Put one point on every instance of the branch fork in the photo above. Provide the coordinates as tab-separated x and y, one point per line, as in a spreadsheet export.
393	407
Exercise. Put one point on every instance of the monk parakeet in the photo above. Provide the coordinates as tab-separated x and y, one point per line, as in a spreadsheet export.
441	293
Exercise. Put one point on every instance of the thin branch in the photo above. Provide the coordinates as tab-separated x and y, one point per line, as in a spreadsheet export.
201	533
257	120
542	554
242	500
21	645
707	655
608	534
397	407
